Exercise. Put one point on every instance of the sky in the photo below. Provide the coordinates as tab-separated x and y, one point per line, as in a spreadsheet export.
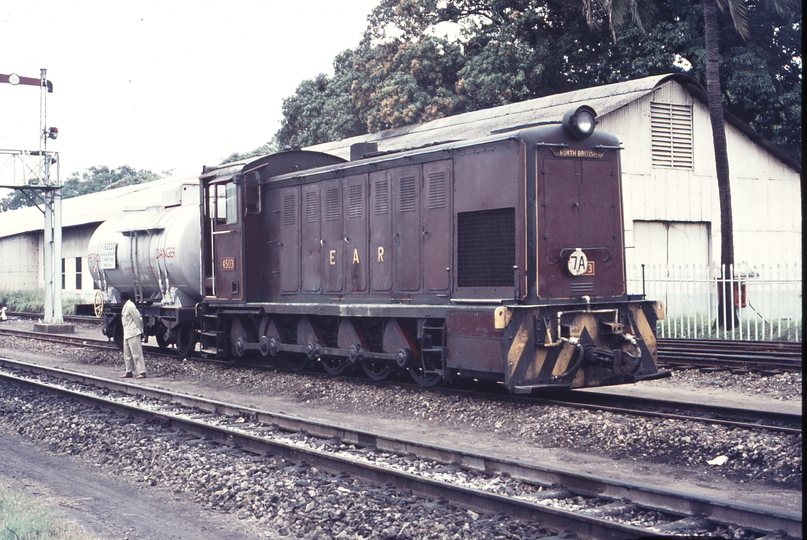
175	84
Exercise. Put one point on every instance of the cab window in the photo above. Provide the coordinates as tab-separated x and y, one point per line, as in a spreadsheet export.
222	203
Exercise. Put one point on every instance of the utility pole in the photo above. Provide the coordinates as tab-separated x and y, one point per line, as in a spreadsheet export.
51	190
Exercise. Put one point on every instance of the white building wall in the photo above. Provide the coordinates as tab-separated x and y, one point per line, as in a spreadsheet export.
74	244
766	193
20	262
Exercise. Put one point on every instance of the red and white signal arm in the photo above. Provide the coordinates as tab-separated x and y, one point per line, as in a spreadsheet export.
577	263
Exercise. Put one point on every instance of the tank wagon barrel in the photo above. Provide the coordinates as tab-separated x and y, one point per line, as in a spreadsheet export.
500	258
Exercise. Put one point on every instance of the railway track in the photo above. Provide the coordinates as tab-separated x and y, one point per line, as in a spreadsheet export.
59	338
737	355
592	506
742	418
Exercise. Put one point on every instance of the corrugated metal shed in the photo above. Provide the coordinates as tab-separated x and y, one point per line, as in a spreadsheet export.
98	207
604	99
472	125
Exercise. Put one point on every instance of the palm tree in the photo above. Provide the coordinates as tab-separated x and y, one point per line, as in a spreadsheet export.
641	11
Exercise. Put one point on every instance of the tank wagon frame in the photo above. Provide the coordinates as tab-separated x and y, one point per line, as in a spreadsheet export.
499	258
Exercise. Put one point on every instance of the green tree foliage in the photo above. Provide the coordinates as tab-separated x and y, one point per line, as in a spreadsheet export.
761	75
268	148
408	70
91	180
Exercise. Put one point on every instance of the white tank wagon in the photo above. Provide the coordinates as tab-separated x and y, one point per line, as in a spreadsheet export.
154	255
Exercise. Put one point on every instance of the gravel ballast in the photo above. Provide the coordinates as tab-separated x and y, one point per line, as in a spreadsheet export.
753	457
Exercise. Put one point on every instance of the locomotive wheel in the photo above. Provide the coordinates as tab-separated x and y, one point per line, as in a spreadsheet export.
379	370
310	336
270	339
297	362
238	337
397	341
334	365
185	341
424	379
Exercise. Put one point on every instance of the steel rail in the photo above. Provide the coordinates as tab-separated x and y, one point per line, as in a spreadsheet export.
689	411
58	338
763	519
763	355
786	347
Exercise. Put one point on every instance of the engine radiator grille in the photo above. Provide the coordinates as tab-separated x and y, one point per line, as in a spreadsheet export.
486	248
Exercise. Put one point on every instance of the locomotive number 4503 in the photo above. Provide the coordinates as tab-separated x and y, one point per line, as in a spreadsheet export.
228	263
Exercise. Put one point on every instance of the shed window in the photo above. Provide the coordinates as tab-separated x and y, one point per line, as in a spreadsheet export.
671	135
78	273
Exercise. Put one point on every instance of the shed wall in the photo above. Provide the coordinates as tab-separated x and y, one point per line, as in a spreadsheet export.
20	262
766	193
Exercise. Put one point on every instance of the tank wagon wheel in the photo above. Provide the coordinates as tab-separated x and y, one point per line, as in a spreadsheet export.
185	341
98	304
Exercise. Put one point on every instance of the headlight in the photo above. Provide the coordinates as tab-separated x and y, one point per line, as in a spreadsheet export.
580	122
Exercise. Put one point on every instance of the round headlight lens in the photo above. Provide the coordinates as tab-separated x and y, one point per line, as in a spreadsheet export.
585	122
580	122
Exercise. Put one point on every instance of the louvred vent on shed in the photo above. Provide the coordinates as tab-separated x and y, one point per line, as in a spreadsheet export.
671	135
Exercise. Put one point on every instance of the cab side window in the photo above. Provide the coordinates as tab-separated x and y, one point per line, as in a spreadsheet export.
222	203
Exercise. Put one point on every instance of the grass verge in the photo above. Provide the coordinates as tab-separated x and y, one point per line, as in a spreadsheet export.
22	518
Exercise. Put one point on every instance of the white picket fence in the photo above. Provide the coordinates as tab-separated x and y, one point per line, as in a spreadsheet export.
766	300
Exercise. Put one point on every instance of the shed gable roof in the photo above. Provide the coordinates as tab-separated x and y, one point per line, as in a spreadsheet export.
604	99
94	207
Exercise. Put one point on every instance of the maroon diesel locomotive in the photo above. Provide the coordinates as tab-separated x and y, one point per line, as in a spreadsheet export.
499	258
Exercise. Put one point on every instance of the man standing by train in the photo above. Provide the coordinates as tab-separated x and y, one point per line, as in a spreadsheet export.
132	330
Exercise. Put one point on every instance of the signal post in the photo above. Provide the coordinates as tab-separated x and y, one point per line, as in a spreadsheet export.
37	181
